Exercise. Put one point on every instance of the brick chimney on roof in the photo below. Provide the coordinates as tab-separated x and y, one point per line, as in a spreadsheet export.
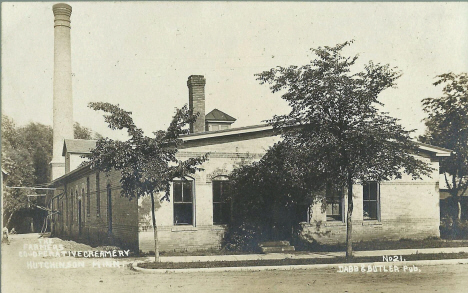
196	85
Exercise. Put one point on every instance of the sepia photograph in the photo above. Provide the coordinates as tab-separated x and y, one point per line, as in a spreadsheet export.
234	146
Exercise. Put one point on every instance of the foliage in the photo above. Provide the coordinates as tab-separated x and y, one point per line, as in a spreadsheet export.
269	196
26	156
244	237
451	228
147	164
335	126
37	138
447	126
17	161
82	132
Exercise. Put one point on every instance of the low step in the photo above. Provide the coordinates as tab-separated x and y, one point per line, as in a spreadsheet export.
275	249
274	243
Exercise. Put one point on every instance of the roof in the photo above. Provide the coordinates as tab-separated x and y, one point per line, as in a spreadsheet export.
84	146
439	151
227	132
220	116
78	146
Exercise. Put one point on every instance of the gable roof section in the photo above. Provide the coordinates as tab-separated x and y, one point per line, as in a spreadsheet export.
220	116
439	151
267	130
226	135
78	146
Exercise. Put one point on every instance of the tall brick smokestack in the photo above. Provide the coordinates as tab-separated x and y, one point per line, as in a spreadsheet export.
63	104
196	85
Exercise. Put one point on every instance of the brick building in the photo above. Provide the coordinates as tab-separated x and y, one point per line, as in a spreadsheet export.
92	209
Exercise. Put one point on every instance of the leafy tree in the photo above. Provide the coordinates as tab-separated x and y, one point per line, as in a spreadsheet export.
447	126
335	122
16	161
26	156
270	196
82	132
37	139
147	164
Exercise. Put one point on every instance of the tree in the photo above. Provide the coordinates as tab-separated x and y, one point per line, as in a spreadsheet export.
16	160
147	164
335	122
38	140
26	156
447	126
82	132
270	197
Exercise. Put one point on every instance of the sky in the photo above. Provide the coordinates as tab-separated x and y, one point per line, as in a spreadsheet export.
140	54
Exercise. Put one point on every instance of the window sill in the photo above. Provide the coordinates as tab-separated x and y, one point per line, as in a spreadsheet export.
334	223
371	223
183	228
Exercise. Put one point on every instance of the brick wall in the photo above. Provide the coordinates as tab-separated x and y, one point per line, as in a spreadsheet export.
408	209
95	224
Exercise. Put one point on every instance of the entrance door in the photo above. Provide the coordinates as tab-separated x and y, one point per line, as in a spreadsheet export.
79	218
109	209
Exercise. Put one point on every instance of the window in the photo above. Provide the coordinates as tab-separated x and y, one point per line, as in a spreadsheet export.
82	201
98	196
370	205
62	219
224	127
214	127
334	197
183	202
71	206
221	202
88	198
109	208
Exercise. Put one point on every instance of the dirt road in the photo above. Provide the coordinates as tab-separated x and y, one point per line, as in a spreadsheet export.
19	275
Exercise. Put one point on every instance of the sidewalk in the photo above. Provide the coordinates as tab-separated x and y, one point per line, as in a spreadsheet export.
308	255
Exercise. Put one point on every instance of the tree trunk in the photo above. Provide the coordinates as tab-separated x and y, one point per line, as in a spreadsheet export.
155	229
454	192
459	208
9	219
349	223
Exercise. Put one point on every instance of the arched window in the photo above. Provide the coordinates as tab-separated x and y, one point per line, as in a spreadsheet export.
88	198
183	202
98	195
74	195
221	200
109	208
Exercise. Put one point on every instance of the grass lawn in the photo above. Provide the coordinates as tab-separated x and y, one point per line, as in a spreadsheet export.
389	245
274	262
357	246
